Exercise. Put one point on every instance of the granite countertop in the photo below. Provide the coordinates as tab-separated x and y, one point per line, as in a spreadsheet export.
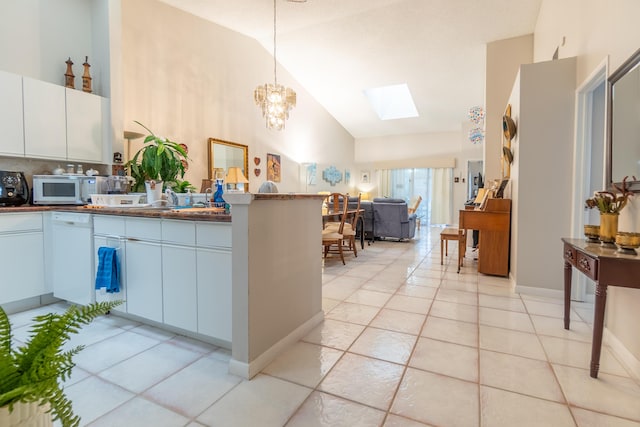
147	212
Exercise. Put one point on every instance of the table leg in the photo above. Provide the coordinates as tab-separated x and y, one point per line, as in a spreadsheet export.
598	325
441	248
567	293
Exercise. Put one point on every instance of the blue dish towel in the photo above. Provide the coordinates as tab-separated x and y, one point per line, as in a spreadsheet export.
108	274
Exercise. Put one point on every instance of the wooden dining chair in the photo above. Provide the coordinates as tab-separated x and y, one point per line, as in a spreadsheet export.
334	236
350	225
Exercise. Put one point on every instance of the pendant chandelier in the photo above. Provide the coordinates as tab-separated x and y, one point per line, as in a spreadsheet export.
274	99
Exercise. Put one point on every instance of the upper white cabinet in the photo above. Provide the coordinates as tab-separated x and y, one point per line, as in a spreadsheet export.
84	126
45	130
48	121
11	121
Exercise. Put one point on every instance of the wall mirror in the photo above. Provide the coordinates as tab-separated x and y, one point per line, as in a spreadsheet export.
623	127
223	155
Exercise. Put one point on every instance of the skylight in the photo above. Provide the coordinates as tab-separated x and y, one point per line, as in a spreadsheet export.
392	102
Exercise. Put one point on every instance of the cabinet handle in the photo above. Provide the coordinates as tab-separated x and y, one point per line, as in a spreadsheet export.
584	264
132	239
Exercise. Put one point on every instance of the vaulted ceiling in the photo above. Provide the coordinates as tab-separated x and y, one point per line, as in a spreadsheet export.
338	48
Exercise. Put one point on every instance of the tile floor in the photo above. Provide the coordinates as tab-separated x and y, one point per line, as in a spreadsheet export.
406	343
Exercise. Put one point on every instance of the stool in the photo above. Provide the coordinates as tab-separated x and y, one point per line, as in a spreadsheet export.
451	233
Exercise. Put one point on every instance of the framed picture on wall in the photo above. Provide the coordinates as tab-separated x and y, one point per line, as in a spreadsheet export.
365	177
273	167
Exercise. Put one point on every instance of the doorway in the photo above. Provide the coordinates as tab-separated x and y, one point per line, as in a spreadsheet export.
589	162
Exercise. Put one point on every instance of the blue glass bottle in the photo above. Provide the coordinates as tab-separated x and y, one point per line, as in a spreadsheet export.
217	196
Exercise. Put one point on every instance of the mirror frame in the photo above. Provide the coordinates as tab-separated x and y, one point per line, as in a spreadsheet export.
622	71
211	160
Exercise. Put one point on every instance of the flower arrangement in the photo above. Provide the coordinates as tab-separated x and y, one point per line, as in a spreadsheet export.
608	202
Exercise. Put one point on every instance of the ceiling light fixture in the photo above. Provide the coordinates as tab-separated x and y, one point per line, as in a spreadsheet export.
275	100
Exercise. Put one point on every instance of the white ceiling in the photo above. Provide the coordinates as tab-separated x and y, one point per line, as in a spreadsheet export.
338	48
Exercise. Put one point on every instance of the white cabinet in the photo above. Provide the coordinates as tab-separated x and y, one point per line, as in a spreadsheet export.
144	279
11	121
21	256
214	279
180	297
109	231
45	131
84	126
214	293
177	272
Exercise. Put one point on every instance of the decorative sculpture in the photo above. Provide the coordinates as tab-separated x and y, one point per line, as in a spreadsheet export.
86	77
69	78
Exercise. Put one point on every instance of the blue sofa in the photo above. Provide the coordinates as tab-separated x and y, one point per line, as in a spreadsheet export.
391	219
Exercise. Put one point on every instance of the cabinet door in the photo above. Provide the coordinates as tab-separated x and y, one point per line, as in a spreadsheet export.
22	264
144	279
112	242
180	306
214	293
84	126
45	131
11	118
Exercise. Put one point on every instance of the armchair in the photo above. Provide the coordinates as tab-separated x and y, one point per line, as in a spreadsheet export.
391	219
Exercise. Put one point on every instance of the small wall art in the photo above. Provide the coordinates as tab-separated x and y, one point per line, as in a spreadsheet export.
332	175
273	167
365	177
347	176
311	173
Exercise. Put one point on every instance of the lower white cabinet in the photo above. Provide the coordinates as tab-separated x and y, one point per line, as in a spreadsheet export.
180	297
21	256
176	272
214	293
144	279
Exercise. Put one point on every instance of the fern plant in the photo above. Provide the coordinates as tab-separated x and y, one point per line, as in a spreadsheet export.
159	159
33	372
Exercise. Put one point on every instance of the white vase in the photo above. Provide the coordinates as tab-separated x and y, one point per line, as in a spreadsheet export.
26	414
154	190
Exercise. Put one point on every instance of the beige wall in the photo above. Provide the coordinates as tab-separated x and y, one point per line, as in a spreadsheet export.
189	79
595	30
504	58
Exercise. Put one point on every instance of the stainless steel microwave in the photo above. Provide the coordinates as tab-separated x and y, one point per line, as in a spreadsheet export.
72	189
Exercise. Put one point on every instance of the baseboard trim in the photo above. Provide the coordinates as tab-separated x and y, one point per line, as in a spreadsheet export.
542	292
251	369
623	354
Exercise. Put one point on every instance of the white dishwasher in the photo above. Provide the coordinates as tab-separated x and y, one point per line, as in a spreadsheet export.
72	257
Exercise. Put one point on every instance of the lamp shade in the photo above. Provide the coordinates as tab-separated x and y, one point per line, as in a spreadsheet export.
235	176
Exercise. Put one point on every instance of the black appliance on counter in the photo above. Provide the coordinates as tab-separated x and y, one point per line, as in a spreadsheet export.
14	190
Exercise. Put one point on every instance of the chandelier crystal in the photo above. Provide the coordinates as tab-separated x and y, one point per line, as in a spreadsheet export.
274	99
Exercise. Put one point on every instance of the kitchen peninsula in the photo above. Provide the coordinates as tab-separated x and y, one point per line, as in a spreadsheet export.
177	264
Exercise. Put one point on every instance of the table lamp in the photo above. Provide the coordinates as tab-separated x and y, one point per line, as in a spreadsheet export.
235	176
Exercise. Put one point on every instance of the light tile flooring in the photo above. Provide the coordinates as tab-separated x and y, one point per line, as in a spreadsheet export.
406	342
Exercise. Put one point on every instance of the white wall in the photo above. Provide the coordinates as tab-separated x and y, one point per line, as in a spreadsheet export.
189	79
541	177
504	58
593	31
37	37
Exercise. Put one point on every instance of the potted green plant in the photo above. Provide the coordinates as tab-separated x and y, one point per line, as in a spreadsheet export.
160	159
30	375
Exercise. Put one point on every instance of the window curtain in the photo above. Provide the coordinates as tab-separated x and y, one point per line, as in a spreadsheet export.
384	183
441	196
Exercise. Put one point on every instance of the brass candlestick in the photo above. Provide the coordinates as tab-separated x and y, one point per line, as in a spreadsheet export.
86	77
69	78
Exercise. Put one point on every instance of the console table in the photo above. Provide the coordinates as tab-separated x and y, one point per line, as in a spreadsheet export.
607	267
